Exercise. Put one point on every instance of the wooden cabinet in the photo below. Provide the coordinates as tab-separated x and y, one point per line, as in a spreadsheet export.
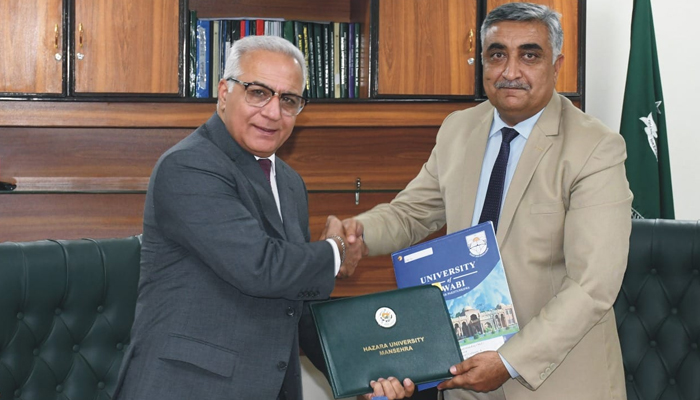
127	46
118	46
32	46
427	47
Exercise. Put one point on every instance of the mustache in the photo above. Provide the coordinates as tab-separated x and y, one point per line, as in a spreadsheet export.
505	84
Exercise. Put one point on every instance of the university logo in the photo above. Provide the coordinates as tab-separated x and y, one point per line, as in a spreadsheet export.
477	244
385	317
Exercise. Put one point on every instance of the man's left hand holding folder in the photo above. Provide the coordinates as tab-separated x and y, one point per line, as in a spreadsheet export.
389	389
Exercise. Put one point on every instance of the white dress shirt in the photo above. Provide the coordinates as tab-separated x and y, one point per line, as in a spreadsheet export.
275	193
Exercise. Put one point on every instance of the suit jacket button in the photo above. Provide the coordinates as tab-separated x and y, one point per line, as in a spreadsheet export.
290	311
281	365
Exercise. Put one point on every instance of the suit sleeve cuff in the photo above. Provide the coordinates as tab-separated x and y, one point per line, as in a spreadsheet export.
513	373
336	255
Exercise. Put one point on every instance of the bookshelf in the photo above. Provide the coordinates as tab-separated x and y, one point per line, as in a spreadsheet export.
82	161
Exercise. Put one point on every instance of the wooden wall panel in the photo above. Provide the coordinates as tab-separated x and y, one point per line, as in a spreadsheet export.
191	115
27	217
383	158
308	10
82	159
83	152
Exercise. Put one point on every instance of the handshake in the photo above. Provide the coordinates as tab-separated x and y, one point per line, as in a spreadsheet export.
347	235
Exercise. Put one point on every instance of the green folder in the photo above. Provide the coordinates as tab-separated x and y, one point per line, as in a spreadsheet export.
404	333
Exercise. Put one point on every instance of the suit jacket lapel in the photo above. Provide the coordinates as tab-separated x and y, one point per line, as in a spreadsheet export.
537	145
247	164
263	190
287	204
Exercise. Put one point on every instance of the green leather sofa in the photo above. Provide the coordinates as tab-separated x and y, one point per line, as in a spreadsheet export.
658	311
66	308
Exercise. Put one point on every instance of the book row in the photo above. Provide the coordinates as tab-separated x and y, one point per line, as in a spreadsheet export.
331	52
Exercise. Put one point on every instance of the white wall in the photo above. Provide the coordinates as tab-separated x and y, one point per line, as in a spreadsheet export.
315	385
607	51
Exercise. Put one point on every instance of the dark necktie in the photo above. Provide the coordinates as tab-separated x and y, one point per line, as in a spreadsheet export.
265	164
494	193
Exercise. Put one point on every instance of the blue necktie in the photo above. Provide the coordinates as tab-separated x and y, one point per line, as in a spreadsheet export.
266	165
494	193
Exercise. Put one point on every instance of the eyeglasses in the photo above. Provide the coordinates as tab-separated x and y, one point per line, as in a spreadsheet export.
258	95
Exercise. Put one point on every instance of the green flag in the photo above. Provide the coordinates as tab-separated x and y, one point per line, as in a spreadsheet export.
644	123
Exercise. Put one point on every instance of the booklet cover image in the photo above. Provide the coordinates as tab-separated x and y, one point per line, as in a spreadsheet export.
467	266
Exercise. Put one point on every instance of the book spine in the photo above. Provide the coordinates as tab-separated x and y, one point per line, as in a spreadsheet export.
215	57
203	55
252	27
327	62
351	61
288	29
309	42
260	27
226	44
235	31
243	29
343	60
356	55
235	35
299	41
280	28
336	60
331	62
318	46
192	55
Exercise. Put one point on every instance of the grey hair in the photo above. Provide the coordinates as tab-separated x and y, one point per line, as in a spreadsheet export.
528	12
255	43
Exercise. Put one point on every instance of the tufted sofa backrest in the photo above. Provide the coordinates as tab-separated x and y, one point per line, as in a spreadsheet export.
66	310
658	311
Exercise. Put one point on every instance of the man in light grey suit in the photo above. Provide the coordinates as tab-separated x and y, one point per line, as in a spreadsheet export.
562	217
226	263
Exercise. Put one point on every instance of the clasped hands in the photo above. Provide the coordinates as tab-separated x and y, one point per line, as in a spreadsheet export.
348	236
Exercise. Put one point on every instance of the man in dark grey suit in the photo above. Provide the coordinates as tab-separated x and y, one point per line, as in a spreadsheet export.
227	264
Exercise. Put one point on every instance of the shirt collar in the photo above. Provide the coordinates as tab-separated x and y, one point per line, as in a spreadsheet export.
272	167
524	128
